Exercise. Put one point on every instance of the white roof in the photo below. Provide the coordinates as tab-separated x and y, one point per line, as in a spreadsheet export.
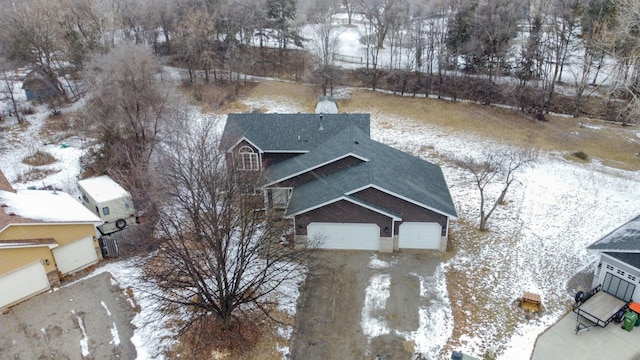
103	188
45	205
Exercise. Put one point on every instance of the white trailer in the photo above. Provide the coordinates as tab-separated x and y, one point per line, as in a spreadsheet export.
110	201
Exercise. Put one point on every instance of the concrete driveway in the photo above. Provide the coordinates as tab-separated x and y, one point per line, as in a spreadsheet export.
90	319
561	342
334	303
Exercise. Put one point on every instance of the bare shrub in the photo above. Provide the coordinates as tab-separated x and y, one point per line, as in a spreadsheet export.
34	174
39	158
581	155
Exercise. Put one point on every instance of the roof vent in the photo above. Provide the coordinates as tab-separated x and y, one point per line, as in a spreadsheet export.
356	142
321	124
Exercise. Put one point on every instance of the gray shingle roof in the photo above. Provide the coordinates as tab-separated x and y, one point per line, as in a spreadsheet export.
626	238
288	132
351	140
632	259
387	168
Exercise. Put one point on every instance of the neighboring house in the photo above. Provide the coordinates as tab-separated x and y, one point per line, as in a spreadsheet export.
618	269
327	105
37	87
44	235
341	189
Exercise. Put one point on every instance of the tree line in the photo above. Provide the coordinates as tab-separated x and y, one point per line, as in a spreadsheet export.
578	57
572	56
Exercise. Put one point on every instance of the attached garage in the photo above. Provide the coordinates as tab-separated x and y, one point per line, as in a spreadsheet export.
22	283
419	235
345	236
76	255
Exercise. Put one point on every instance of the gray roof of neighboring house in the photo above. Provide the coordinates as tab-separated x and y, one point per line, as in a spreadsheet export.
625	238
386	168
632	259
288	132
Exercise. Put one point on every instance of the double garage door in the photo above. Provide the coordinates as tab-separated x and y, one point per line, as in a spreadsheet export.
345	236
22	283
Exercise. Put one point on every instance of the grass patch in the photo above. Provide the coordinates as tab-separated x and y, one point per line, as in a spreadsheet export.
39	158
56	124
300	94
35	174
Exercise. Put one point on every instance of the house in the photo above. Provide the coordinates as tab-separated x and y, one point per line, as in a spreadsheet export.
44	235
340	188
618	270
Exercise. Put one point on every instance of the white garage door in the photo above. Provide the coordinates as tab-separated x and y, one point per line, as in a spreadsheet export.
76	255
344	236
419	235
22	283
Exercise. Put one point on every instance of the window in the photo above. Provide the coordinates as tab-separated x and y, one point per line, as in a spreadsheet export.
248	159
105	210
127	206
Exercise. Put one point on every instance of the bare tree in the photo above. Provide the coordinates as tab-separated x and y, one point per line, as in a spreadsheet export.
493	169
324	45
128	105
222	261
627	59
9	89
196	42
350	6
31	35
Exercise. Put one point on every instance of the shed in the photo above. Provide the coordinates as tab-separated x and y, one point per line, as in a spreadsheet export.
38	87
327	105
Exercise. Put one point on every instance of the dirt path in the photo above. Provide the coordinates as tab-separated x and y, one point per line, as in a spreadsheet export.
86	320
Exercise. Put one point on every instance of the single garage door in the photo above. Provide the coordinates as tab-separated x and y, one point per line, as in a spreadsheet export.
75	256
419	235
22	283
344	236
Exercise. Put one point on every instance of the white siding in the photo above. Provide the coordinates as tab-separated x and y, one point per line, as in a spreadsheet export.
22	283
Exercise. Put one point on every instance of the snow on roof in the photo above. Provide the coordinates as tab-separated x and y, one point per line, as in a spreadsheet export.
625	237
11	244
103	188
47	206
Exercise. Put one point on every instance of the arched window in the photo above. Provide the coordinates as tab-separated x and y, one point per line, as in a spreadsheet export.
248	159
